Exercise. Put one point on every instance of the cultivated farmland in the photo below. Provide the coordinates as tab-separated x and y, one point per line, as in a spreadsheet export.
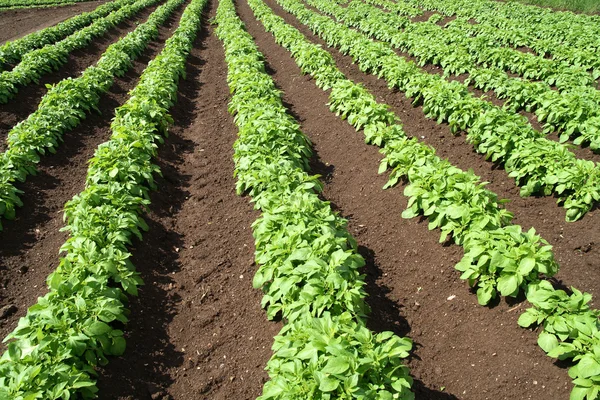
299	199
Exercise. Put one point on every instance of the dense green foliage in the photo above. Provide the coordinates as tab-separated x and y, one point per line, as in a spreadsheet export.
66	104
308	261
539	165
10	4
573	110
585	6
309	265
49	58
483	50
499	257
52	352
12	52
455	201
562	34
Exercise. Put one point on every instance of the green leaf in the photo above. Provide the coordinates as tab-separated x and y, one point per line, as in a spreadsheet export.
81	384
485	294
578	393
336	365
528	318
508	285
308	352
328	384
547	341
55	280
588	366
526	266
272	391
118	347
98	328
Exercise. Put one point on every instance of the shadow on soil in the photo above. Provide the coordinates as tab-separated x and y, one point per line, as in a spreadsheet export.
386	314
424	393
145	371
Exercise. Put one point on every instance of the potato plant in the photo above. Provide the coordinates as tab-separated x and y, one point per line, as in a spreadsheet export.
55	347
308	262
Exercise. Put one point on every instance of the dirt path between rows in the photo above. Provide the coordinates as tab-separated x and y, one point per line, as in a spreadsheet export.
29	97
576	245
29	245
20	22
197	330
463	350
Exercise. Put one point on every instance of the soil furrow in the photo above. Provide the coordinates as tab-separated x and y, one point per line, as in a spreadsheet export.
411	277
197	330
17	23
576	244
29	97
579	151
30	244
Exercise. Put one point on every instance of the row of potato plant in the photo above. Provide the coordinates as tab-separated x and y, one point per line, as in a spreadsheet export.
308	262
480	50
551	28
66	104
499	256
51	57
513	34
12	4
400	8
538	165
11	52
53	352
461	208
517	37
572	113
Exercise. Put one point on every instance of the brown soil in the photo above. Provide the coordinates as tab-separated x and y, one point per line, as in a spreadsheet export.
582	152
20	22
423	17
446	20
580	234
30	243
197	330
28	98
469	350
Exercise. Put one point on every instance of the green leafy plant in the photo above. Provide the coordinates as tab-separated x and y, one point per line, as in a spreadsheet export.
336	358
39	62
66	104
308	262
499	257
567	37
502	135
12	52
570	330
12	4
55	347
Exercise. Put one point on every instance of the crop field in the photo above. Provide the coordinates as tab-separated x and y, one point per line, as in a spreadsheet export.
299	199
